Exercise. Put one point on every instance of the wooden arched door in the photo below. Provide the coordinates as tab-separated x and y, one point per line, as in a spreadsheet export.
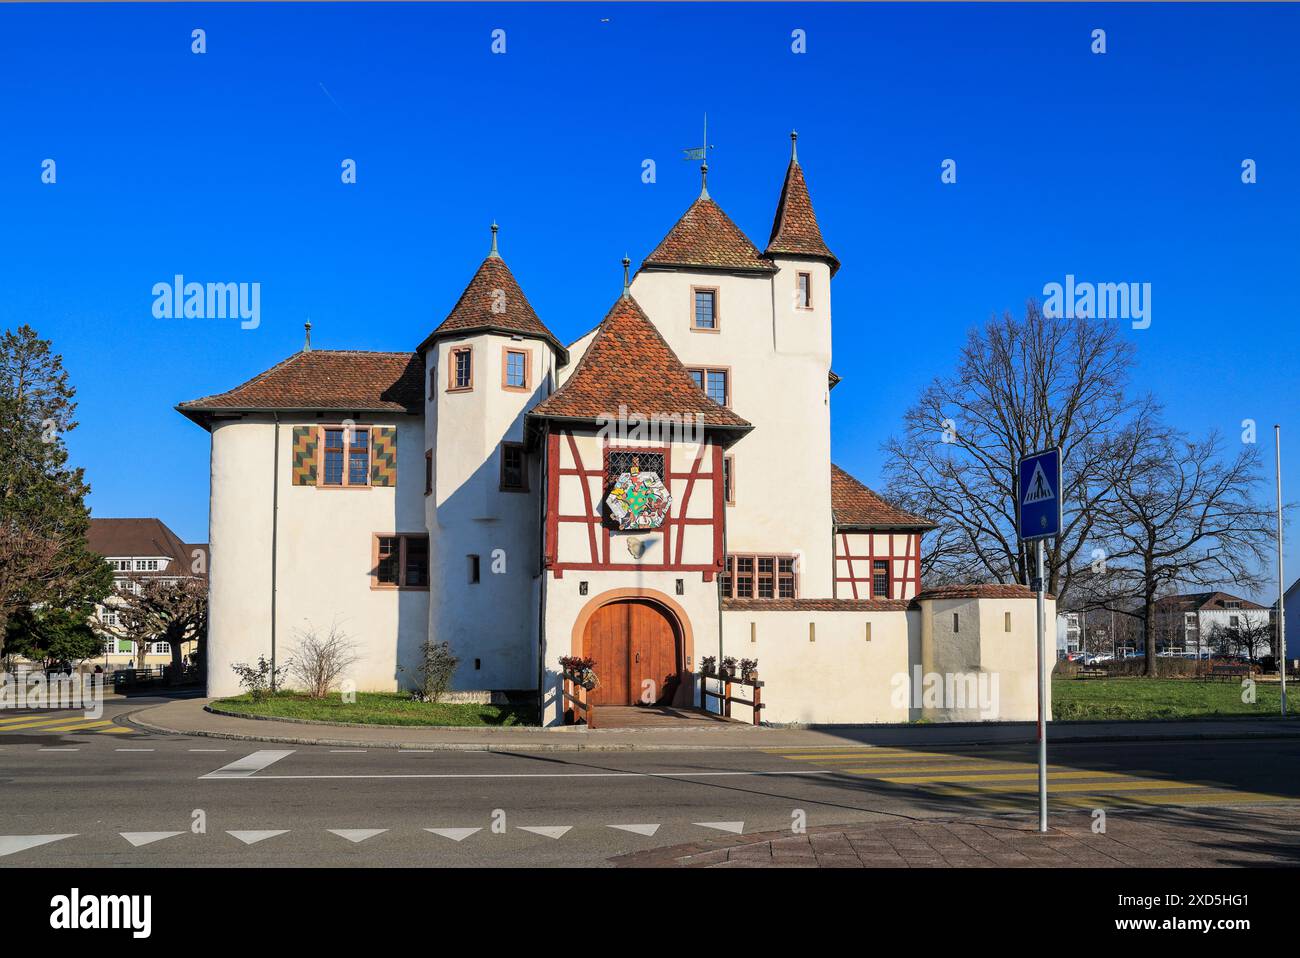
637	652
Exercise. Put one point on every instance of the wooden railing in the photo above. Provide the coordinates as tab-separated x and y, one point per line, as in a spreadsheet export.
725	696
574	694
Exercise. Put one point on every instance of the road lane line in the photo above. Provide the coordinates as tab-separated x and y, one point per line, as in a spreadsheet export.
51	749
264	778
246	766
133	750
209	750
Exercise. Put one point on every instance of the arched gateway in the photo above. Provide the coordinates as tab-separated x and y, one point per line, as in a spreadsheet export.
637	645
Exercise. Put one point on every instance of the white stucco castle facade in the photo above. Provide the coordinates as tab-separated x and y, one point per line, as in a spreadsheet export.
519	499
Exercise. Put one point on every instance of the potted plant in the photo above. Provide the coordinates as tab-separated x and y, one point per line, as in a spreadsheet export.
749	670
728	667
707	664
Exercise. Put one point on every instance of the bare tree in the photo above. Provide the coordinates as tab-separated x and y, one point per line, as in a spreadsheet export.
155	610
1252	636
1020	386
1181	514
319	662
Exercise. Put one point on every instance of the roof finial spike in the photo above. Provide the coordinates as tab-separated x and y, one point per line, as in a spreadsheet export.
794	151
704	181
494	254
627	285
306	346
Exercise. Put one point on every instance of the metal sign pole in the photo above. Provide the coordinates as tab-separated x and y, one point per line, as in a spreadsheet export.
1281	579
1042	702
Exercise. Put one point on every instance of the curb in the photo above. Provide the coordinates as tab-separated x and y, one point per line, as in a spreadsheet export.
591	746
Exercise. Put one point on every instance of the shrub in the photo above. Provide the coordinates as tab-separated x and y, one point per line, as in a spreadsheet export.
436	668
708	664
318	663
1065	669
258	680
748	667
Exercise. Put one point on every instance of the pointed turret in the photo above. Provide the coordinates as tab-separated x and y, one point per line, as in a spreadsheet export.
794	229
706	238
493	302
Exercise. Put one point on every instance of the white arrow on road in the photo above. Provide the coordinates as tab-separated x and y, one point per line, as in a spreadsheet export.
637	829
246	766
733	827
10	844
356	834
550	831
252	837
455	834
146	838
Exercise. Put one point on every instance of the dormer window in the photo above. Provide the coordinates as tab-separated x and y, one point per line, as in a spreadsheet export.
706	309
803	290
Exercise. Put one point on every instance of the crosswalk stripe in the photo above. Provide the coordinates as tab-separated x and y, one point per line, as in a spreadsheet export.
37	723
78	726
975	778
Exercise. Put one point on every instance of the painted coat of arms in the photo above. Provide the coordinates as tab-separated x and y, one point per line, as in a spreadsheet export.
639	500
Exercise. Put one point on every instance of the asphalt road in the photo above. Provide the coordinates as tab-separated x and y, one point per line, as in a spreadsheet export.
124	798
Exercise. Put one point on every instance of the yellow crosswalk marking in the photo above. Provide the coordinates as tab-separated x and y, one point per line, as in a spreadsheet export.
17	719
79	726
37	723
118	729
992	777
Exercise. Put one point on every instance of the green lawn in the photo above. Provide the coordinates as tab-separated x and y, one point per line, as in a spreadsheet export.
1141	698
379	708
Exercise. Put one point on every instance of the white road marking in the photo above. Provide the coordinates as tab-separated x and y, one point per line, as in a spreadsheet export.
133	750
47	749
550	831
455	834
734	827
252	837
246	766
637	829
355	835
209	750
146	838
10	844
263	778
347	750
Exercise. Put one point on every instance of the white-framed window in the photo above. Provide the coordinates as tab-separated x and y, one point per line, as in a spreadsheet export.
109	617
161	648
120	565
146	565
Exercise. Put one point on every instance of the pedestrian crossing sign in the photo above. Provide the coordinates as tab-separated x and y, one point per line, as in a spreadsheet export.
1040	495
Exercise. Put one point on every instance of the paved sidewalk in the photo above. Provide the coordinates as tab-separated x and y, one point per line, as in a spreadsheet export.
188	717
1175	839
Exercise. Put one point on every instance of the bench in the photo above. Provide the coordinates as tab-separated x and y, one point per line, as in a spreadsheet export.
1092	672
1226	672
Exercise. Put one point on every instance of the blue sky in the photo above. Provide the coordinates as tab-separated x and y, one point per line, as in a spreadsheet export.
225	167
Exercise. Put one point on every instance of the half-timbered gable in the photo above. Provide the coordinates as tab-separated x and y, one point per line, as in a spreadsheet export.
877	544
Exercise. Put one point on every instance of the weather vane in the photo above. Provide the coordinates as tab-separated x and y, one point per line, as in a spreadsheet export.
700	152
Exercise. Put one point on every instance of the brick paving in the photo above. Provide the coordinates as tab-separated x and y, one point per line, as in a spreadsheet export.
1165	838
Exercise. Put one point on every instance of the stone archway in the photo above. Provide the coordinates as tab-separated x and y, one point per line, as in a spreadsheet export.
636	636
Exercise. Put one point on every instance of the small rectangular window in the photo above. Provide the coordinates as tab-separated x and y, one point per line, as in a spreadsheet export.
359	457
514	375
461	375
400	562
473	570
433	381
956	626
1006	621
706	309
428	471
715	382
880	579
514	467
729	480
804	292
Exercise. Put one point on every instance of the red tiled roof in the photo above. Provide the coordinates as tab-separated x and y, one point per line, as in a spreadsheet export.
854	506
494	302
982	590
706	237
144	538
1204	602
327	380
629	364
794	229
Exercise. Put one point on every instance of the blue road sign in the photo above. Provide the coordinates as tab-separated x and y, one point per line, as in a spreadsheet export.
1040	495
